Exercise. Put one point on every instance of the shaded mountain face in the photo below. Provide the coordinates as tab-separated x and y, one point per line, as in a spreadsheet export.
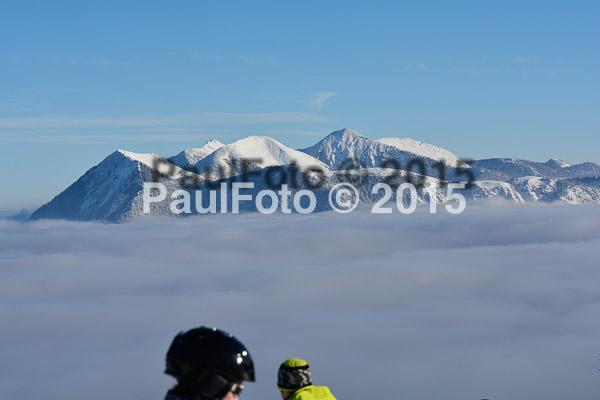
113	190
110	191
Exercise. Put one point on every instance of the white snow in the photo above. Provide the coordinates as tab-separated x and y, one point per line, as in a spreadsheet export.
145	158
151	160
493	184
261	151
532	180
557	162
346	145
192	156
425	150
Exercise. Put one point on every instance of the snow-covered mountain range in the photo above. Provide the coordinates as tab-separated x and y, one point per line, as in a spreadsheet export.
113	189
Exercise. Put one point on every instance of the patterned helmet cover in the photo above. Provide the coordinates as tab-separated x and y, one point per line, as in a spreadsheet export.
293	374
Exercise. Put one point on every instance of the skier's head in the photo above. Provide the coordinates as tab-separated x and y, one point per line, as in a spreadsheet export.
209	364
293	374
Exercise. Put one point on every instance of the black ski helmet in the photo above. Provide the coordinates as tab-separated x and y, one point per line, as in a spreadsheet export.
209	360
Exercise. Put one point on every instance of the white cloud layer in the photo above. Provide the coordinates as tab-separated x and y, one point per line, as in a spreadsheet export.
493	303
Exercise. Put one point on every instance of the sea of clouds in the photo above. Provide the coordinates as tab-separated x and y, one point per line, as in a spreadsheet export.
498	303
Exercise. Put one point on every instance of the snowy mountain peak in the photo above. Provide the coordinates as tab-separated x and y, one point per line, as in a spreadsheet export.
424	150
257	139
558	163
346	132
210	146
192	156
147	159
345	145
152	161
339	146
261	151
256	145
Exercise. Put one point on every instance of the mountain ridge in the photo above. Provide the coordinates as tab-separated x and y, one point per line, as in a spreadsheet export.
113	189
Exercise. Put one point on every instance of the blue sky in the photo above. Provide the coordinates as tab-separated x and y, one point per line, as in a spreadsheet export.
482	79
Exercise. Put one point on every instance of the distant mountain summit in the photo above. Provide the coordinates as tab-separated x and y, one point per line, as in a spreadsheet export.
511	168
340	147
113	189
190	157
259	152
423	149
557	163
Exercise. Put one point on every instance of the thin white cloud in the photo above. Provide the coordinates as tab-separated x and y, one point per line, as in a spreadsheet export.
39	90
61	60
292	132
170	129
319	98
158	120
492	303
55	137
